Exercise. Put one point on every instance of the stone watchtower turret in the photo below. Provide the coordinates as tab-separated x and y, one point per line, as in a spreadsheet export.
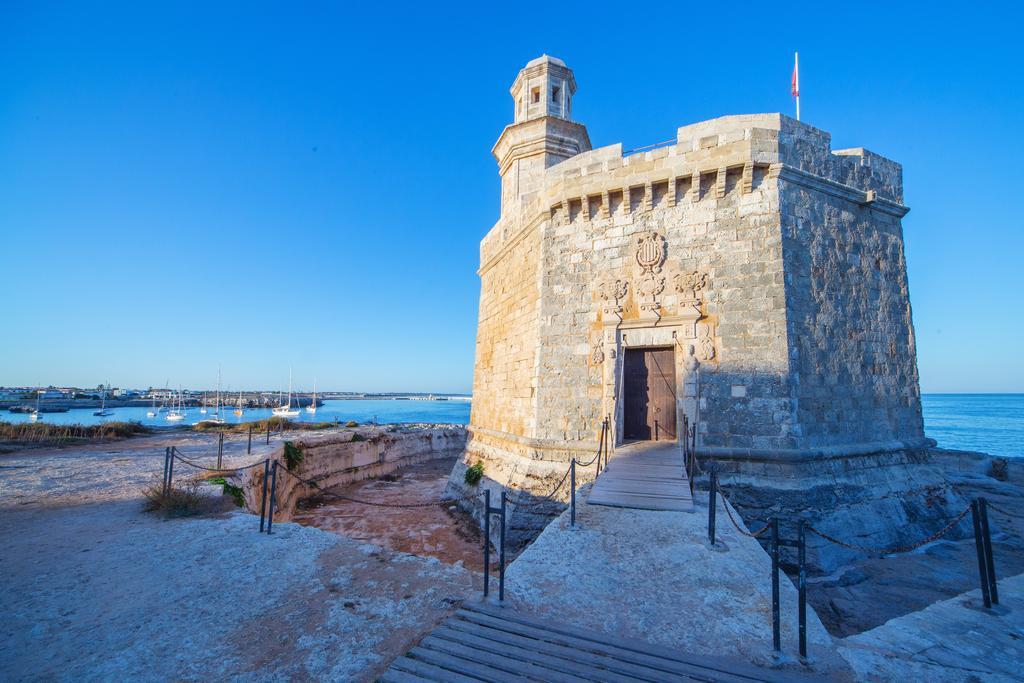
543	134
745	279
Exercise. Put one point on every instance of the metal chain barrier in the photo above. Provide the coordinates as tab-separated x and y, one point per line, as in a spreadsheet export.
338	496
892	551
550	496
215	469
728	512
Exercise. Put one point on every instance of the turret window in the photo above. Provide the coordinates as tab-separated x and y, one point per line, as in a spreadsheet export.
535	95
554	93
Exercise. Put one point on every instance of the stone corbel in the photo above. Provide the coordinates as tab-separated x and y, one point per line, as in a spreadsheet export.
720	183
695	187
604	204
748	177
648	203
671	195
626	201
585	208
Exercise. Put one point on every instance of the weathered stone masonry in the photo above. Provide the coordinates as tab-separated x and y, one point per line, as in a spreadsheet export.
777	260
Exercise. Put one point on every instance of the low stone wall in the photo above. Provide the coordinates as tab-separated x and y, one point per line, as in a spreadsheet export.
339	458
527	473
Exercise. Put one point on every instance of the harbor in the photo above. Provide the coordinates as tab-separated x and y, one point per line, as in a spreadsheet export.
397	409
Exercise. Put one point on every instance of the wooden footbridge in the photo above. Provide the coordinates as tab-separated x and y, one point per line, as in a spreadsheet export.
645	475
483	642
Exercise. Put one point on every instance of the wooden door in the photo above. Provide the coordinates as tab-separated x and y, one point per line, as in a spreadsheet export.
649	394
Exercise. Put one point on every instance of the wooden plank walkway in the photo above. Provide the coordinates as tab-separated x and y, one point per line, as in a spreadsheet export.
483	642
646	475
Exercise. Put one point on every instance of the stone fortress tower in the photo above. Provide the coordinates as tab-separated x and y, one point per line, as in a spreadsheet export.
746	276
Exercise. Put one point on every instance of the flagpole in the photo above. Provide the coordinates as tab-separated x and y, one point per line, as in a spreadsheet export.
796	70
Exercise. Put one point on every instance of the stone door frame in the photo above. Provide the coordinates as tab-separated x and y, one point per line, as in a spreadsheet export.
675	332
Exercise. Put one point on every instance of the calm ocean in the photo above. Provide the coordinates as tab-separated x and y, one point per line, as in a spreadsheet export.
990	423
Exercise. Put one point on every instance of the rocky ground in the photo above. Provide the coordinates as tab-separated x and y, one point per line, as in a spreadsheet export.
95	589
873	590
948	642
653	576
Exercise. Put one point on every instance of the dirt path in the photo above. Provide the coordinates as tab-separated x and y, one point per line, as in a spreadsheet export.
441	531
94	589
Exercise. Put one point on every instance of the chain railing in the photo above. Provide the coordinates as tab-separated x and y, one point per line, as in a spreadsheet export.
978	509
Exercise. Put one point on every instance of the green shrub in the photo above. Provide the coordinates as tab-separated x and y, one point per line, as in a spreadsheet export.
351	423
180	501
358	437
474	473
292	456
236	494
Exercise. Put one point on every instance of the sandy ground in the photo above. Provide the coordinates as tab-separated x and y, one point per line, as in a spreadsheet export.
94	589
109	471
442	531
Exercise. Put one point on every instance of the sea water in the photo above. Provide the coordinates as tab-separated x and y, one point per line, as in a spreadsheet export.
990	423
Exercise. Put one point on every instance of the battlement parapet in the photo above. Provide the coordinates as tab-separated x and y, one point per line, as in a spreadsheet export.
744	145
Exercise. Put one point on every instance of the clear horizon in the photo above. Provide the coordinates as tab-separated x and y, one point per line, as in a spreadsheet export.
258	188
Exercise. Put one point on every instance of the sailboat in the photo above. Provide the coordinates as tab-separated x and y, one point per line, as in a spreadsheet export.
286	409
36	415
239	410
152	411
176	414
311	408
216	419
103	412
203	409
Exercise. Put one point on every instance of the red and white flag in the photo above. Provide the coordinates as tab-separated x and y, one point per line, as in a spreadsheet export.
795	87
796	74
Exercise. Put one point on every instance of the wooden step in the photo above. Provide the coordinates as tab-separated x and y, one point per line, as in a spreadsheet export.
482	642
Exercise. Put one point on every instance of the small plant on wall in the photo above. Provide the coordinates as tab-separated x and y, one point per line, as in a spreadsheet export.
474	473
292	456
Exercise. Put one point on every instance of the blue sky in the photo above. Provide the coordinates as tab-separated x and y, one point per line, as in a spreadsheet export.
270	184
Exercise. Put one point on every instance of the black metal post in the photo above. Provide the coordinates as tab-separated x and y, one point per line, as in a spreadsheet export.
776	626
979	544
802	586
501	552
268	431
273	494
487	541
992	589
572	492
712	506
220	450
170	471
609	440
167	464
686	448
248	449
263	505
655	430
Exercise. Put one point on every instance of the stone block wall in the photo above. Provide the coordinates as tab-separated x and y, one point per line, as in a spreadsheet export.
504	379
854	363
